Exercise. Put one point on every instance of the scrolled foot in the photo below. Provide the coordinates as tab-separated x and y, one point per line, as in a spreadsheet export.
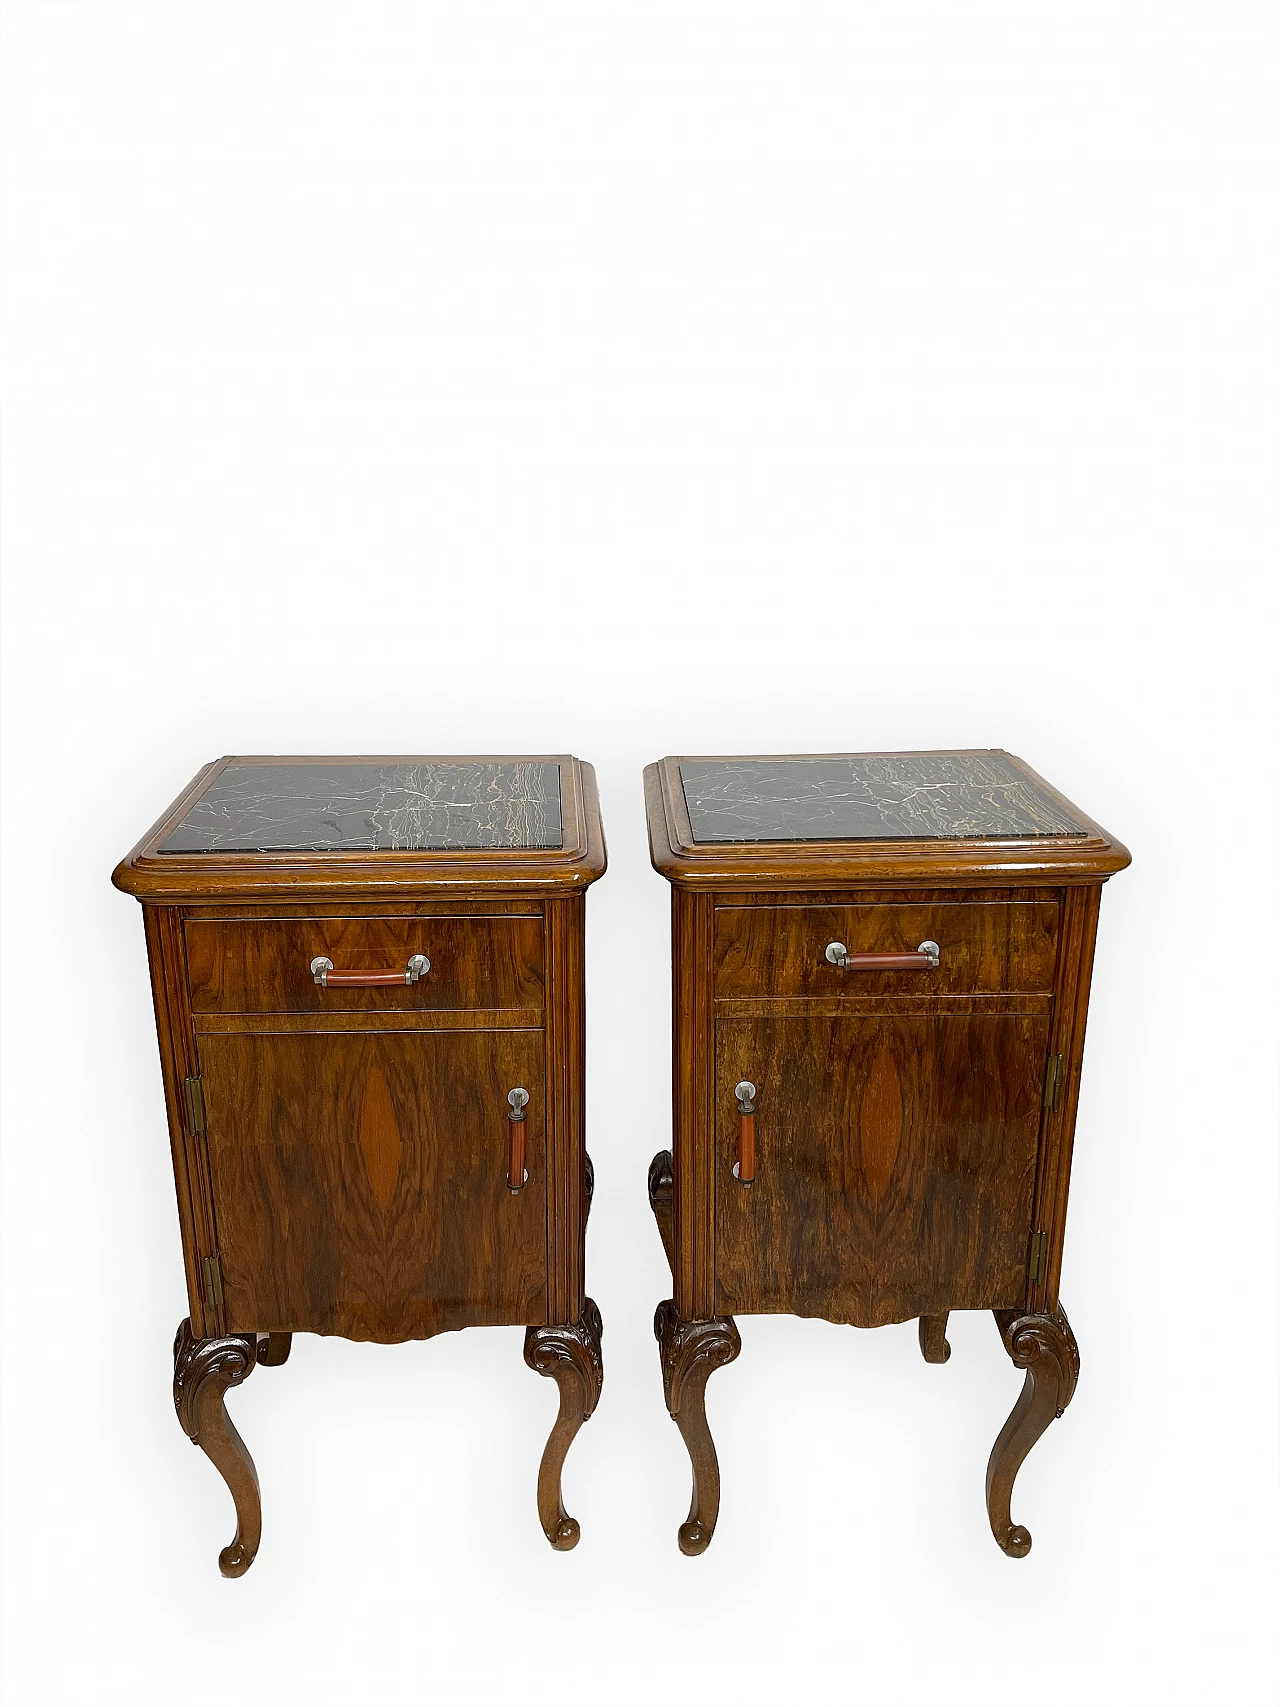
571	1355
690	1351
934	1346
1045	1347
202	1372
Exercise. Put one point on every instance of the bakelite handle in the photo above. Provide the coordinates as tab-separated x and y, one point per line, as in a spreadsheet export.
322	971
745	1169
516	1174
925	959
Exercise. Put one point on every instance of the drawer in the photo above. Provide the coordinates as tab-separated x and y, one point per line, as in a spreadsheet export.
247	966
984	946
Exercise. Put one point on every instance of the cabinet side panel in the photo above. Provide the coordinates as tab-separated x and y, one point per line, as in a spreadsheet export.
1071	1006
177	1061
566	1111
693	1068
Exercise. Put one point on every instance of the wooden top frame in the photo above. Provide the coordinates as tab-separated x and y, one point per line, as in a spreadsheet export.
175	878
1088	858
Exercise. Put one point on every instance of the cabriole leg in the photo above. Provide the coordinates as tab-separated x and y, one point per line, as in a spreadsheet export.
1046	1348
690	1350
571	1354
934	1346
202	1372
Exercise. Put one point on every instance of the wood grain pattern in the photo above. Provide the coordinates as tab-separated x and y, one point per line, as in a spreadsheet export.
848	1007
167	960
693	1062
249	966
780	950
317	1025
895	1165
566	1109
360	1182
1075	969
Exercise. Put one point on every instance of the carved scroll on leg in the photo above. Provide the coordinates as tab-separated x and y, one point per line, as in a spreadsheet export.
202	1372
1046	1348
274	1349
690	1350
934	1345
661	1198
571	1354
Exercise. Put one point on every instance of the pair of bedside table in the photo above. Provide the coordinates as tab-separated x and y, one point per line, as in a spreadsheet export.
369	991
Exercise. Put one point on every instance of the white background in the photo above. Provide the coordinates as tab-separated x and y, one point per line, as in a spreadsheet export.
631	380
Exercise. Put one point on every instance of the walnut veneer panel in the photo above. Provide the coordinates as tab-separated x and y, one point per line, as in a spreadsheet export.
246	966
895	1164
781	950
360	1181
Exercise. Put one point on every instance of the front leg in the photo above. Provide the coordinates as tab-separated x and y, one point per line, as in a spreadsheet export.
202	1372
690	1350
572	1355
1046	1348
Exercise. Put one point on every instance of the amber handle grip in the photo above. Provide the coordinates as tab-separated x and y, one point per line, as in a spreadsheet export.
745	1169
516	1175
324	974
925	959
362	980
746	1149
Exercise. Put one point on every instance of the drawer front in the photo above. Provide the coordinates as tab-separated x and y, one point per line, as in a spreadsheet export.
244	966
984	946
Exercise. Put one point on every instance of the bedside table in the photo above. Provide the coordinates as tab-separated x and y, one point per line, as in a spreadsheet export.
881	974
368	982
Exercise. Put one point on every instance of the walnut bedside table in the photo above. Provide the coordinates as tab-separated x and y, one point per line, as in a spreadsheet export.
881	975
368	981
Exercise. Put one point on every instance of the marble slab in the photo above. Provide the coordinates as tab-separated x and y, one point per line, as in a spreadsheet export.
869	797
329	808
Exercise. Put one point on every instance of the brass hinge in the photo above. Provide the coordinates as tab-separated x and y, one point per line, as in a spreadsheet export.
194	1092
1053	1076
1039	1255
213	1282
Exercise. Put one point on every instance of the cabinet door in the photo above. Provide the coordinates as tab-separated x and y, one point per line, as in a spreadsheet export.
359	1180
895	1163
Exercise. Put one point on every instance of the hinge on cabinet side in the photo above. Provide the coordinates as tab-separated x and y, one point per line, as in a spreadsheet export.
1039	1253
1052	1083
213	1282
194	1091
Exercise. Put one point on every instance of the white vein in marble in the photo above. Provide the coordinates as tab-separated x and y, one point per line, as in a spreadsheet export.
355	807
872	797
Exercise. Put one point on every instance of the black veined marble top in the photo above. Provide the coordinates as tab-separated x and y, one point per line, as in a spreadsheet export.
334	807
869	797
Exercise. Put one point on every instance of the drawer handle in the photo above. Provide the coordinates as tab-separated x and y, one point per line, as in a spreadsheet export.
517	1173
925	959
744	1169
323	973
